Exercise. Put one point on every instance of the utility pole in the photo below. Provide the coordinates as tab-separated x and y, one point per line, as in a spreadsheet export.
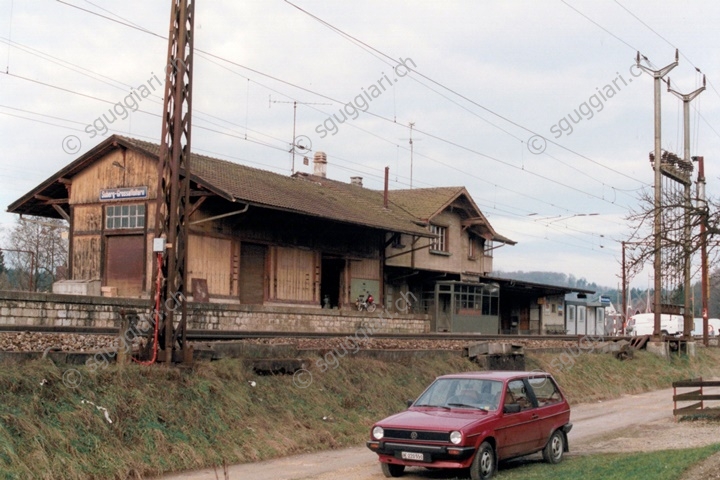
657	264
173	195
624	288
702	206
687	228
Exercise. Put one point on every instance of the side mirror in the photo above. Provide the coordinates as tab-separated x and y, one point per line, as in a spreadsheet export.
511	408
410	401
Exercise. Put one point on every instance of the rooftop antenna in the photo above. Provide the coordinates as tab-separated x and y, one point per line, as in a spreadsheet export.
294	145
411	141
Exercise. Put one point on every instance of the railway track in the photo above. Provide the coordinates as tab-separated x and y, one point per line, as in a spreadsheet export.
219	335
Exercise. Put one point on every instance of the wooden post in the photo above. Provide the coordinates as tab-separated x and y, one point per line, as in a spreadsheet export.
124	351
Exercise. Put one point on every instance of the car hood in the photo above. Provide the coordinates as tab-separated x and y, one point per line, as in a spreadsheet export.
435	419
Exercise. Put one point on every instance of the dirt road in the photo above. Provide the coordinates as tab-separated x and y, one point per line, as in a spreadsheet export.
630	423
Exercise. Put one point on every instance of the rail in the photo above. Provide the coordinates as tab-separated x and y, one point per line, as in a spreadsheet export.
210	335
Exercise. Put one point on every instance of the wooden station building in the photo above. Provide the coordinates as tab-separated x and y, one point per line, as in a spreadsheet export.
261	238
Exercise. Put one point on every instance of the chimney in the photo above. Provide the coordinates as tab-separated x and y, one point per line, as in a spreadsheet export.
356	181
320	164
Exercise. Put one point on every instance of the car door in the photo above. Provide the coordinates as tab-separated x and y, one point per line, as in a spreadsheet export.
550	406
518	433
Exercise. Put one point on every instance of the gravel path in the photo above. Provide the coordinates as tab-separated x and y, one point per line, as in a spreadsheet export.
631	423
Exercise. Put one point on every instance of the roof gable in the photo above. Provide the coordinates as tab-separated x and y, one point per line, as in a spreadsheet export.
427	203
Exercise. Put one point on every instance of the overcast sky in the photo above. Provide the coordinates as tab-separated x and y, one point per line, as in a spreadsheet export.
486	78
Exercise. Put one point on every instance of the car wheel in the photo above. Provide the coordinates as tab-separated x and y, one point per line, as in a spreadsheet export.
391	470
483	466
553	451
371	307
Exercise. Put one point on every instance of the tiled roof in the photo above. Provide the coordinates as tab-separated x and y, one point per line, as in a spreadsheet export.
302	194
306	194
425	203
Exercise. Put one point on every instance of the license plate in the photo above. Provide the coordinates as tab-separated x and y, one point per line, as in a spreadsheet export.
412	456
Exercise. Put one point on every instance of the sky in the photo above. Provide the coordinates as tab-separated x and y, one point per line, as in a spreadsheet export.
537	108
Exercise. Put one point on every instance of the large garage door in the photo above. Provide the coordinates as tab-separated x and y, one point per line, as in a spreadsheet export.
125	264
252	273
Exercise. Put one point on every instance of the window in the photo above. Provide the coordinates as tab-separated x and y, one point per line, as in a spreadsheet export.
463	393
471	247
516	393
439	243
546	392
571	313
124	216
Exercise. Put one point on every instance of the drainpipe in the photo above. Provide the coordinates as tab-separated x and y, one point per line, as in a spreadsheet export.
216	217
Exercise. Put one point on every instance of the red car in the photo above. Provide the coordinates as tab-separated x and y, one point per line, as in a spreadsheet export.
473	420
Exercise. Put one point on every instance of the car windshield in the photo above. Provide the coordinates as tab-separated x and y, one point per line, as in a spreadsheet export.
462	393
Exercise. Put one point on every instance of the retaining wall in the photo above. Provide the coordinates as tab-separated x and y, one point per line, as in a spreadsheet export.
24	308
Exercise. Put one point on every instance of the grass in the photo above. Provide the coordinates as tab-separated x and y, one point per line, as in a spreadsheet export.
170	419
660	465
593	377
166	419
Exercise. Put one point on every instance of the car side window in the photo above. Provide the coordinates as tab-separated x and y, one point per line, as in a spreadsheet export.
546	392
518	393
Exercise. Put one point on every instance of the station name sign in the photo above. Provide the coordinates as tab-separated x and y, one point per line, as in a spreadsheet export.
127	193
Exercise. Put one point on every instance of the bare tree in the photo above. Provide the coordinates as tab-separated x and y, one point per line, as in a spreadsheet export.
38	251
674	246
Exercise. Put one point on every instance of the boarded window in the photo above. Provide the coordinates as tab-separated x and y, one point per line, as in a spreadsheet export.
209	258
295	274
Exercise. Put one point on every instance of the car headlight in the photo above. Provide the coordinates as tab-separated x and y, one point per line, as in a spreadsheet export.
456	437
378	433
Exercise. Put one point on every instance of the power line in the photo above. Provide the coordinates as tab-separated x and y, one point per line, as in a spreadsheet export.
129	25
464	97
275	78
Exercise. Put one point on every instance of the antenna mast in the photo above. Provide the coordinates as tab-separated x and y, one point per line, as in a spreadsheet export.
294	144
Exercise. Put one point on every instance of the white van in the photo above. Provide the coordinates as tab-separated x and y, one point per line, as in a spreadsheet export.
713	327
644	324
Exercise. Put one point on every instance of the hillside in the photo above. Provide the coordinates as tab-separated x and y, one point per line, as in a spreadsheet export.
133	421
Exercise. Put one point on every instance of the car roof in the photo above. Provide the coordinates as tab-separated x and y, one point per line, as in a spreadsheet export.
500	375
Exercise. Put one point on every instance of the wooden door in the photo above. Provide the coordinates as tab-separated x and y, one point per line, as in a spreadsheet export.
125	264
252	273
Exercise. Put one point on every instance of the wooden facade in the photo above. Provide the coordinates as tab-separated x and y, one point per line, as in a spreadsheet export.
240	250
259	238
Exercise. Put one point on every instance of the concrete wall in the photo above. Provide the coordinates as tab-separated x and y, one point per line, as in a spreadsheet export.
23	308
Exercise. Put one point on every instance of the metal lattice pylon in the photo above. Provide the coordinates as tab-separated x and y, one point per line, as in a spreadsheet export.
173	192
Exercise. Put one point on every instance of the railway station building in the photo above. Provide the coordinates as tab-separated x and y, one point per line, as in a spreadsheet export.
261	240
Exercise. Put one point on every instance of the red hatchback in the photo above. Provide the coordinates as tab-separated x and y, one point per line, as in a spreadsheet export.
474	420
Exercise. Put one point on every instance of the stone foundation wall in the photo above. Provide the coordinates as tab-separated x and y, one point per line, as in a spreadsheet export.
24	308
